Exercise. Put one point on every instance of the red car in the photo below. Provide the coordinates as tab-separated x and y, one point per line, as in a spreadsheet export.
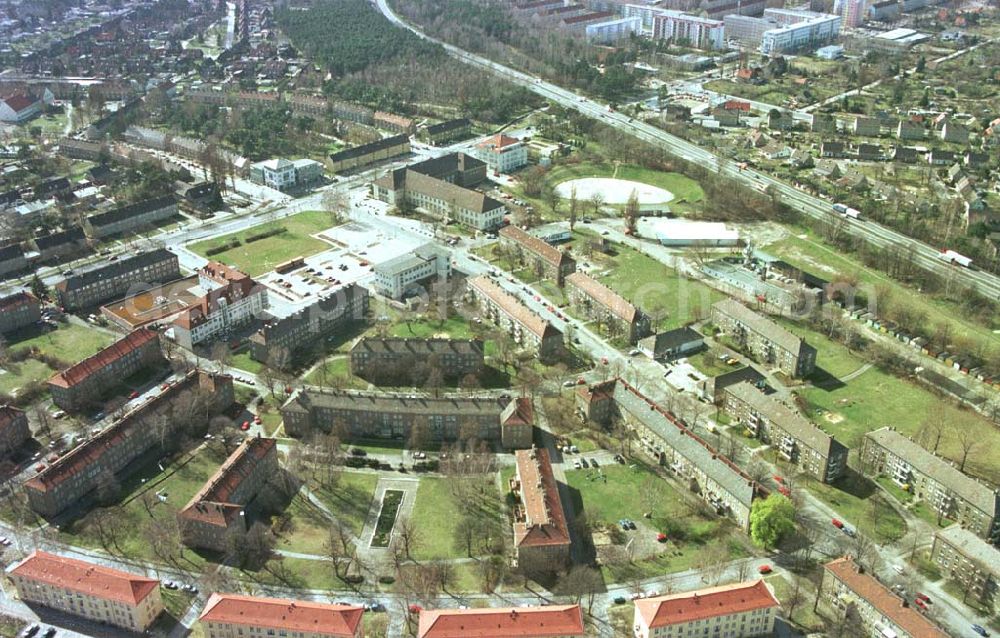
133	394
581	381
920	604
837	523
39	467
764	569
164	386
245	426
661	538
416	609
924	597
778	479
288	389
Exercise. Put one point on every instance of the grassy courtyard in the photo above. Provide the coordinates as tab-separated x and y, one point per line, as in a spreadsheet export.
15	376
858	501
70	341
349	497
439	511
261	256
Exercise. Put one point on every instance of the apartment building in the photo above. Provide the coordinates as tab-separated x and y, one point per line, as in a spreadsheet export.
948	492
666	438
237	616
83	385
694	30
599	303
385	415
408	274
543	258
541	535
73	479
764	339
552	621
60	244
19	310
130	218
282	174
811	32
502	153
528	328
232	300
796	439
364	154
87	590
447	131
14	430
94	287
394	360
740	610
215	517
279	341
394	123
12	259
969	561
846	586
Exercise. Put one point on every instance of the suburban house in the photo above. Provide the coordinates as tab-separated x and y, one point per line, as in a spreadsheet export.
671	344
88	590
83	384
232	300
93	287
740	610
406	275
131	218
502	153
796	439
847	587
278	341
597	302
955	133
215	518
387	360
763	339
969	561
541	534
507	311
377	151
384	415
948	492
907	130
14	430
234	615
551	621
282	174
542	258
19	310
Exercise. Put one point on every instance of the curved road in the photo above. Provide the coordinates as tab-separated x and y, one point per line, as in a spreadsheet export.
924	256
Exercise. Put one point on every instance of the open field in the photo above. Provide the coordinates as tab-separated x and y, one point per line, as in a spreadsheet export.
263	255
70	341
439	511
16	375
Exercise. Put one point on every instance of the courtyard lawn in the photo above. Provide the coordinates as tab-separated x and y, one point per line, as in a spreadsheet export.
261	256
858	500
242	361
710	365
17	375
423	327
438	512
831	356
70	341
308	528
349	498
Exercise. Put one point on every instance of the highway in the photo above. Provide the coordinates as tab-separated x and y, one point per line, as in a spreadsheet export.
924	256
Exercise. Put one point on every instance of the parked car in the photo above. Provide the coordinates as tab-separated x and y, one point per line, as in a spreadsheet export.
620	600
838	523
925	598
850	531
979	629
31	630
51	631
764	569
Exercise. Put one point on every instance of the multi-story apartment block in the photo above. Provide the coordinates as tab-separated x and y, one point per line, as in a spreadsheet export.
12	259
695	31
666	438
764	339
553	621
383	360
279	341
19	310
377	151
605	306
740	610
61	244
811	32
236	616
797	440
407	274
394	123
447	131
282	174
88	590
949	493
383	415
215	517
93	287
233	300
186	404
14	430
502	153
527	327
846	586
131	218
970	561
543	258
541	535
84	384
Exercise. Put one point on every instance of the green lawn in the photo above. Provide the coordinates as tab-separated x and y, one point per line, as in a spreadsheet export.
17	375
335	372
70	342
349	498
831	356
804	615
245	363
682	187
263	255
710	365
308	530
438	511
424	327
857	499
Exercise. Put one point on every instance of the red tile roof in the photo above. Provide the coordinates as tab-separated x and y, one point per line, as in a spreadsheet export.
18	299
881	598
520	411
503	622
20	102
525	316
535	246
212	504
278	613
80	372
88	578
736	105
544	521
705	603
236	285
498	141
589	17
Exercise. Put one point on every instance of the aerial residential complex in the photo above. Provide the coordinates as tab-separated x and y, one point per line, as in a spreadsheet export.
382	359
796	439
949	493
235	615
552	621
541	257
90	591
541	534
969	561
96	286
507	311
131	218
740	610
232	300
696	31
215	518
383	415
19	310
764	339
606	307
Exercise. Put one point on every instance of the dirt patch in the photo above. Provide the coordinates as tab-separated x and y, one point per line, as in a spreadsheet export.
833	417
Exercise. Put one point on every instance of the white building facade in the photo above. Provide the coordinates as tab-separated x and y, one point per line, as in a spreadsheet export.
698	32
